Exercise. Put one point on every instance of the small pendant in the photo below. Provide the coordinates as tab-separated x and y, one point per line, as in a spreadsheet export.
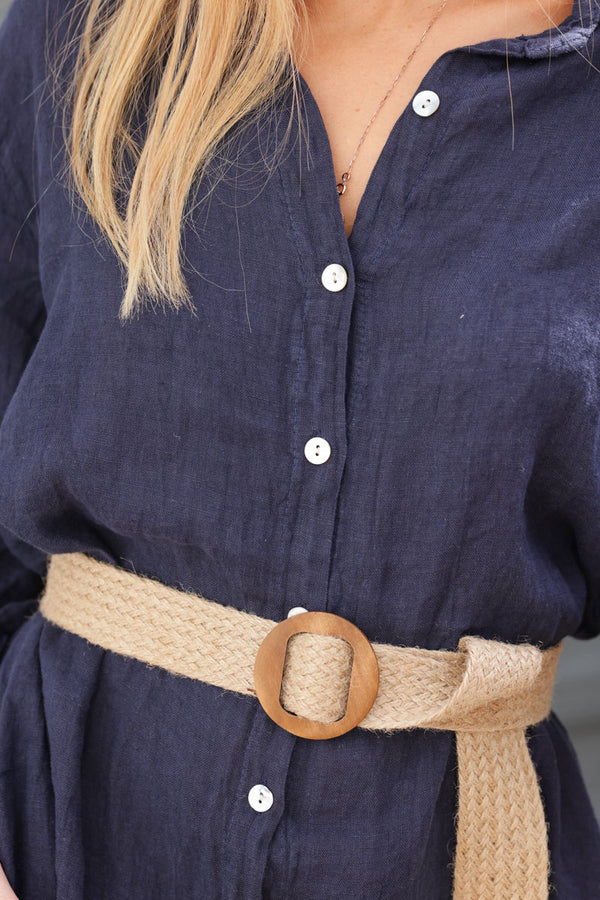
341	188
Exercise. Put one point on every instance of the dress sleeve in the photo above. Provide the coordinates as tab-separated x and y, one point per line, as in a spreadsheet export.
22	311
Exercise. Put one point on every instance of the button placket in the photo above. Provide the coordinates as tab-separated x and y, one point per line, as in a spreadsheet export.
318	368
267	755
320	404
324	266
334	277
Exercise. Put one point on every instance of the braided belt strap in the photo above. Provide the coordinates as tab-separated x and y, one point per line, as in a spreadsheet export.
487	692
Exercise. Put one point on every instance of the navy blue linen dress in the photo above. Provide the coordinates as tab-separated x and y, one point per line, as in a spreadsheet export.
456	378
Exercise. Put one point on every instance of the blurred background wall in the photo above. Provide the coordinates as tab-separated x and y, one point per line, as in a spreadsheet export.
577	696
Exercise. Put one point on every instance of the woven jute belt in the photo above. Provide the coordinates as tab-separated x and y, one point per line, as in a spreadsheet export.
317	676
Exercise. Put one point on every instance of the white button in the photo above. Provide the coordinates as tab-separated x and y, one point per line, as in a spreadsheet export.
334	277
425	103
296	611
260	798
317	450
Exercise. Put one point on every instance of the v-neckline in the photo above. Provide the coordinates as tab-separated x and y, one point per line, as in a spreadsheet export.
373	176
511	46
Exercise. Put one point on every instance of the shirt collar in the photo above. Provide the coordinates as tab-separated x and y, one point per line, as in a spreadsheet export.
571	35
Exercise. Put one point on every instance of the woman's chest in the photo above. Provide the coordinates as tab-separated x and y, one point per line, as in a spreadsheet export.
471	273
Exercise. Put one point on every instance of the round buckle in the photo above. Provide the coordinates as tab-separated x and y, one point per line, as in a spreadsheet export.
268	673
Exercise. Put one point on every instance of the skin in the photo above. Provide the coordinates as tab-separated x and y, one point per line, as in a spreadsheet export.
6	892
357	47
354	53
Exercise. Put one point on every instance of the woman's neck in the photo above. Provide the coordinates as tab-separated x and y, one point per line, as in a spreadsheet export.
354	20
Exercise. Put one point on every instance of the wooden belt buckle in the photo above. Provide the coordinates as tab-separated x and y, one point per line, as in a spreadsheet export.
269	664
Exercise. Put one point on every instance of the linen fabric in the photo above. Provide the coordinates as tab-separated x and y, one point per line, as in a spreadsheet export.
487	692
457	379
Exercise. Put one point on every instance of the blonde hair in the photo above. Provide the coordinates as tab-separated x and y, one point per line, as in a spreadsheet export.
203	66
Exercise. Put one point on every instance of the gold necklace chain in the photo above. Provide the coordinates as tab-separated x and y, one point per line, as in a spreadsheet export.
341	187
